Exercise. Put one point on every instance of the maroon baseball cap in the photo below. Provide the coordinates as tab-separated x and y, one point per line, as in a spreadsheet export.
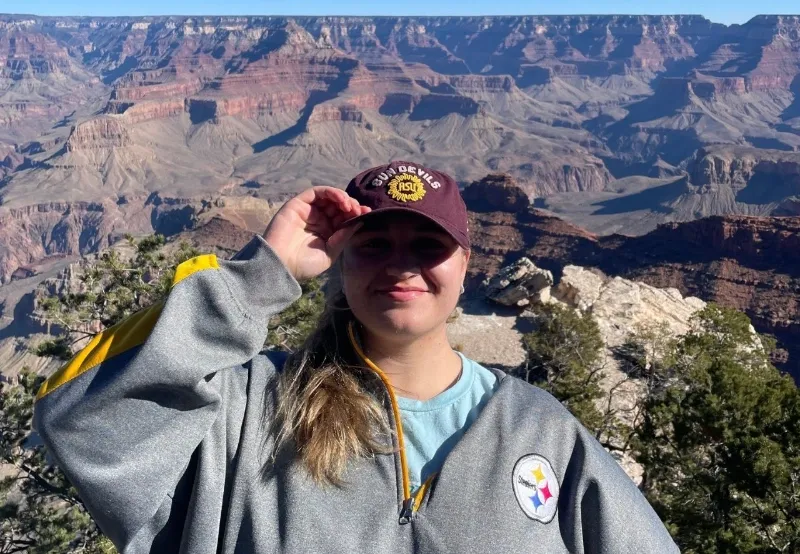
409	187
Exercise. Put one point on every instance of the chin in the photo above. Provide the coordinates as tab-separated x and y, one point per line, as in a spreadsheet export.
399	323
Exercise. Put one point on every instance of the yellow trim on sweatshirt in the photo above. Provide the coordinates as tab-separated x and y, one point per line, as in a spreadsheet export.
420	494
111	342
123	336
395	409
193	265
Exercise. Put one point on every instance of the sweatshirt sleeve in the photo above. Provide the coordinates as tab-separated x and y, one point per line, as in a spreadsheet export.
124	416
608	512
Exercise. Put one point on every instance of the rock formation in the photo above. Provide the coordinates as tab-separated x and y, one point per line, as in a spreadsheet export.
497	192
565	104
115	125
518	283
621	308
747	263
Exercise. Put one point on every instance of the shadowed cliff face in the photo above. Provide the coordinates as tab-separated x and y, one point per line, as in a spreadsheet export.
747	263
668	118
34	234
562	103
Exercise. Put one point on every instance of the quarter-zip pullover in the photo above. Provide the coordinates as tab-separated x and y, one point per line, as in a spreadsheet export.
159	424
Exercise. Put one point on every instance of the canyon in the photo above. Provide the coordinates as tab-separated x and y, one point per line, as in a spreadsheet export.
664	149
743	262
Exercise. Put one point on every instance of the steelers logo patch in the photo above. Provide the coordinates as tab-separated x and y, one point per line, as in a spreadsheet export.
536	487
406	188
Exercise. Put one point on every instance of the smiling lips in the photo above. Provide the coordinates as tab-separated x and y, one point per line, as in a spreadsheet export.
402	294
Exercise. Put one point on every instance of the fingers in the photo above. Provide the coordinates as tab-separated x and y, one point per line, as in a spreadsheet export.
337	240
326	209
336	204
333	195
330	199
343	217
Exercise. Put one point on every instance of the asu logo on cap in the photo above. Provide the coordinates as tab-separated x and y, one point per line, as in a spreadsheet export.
406	188
410	187
536	487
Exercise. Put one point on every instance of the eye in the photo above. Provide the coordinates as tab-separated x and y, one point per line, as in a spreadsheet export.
373	246
430	248
427	243
376	243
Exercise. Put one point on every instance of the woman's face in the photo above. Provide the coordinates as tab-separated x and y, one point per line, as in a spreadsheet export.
402	275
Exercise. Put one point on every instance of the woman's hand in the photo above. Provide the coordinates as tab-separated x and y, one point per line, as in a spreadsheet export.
306	234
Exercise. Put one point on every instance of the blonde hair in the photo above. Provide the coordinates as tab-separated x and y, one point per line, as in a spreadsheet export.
327	407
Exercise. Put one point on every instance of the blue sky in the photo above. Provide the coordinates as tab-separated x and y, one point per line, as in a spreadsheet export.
721	11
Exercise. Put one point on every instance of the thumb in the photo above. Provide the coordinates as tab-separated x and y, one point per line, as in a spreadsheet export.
337	240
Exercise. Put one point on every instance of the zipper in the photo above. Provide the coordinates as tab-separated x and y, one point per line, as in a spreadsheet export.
410	503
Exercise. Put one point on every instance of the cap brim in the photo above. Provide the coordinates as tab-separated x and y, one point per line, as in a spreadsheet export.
460	238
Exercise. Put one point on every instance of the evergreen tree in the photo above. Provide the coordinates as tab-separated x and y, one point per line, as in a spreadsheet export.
565	358
290	328
40	512
109	290
720	442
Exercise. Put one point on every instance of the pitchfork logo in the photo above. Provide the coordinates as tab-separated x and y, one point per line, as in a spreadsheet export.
536	487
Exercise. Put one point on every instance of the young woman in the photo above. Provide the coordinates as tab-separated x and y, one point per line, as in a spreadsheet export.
375	436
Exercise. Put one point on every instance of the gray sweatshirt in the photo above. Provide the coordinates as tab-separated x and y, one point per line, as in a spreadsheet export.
159	424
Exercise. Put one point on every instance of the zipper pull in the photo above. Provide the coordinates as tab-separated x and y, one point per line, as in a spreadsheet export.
407	513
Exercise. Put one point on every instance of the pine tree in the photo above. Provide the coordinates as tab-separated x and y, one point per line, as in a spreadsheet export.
40	512
565	358
720	442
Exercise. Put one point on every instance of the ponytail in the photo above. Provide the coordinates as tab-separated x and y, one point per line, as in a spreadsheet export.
327	409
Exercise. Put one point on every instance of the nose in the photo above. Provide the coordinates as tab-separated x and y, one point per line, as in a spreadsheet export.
403	264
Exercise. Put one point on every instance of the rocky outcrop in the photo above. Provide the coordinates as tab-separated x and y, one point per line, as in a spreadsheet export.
147	111
755	241
147	91
101	132
518	284
468	84
790	207
758	176
332	112
202	109
544	176
497	192
746	263
728	166
621	306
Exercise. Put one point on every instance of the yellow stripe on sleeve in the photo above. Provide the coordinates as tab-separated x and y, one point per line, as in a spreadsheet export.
123	336
111	342
198	263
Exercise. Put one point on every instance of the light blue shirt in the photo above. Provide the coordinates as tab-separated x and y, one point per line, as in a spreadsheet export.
432	428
